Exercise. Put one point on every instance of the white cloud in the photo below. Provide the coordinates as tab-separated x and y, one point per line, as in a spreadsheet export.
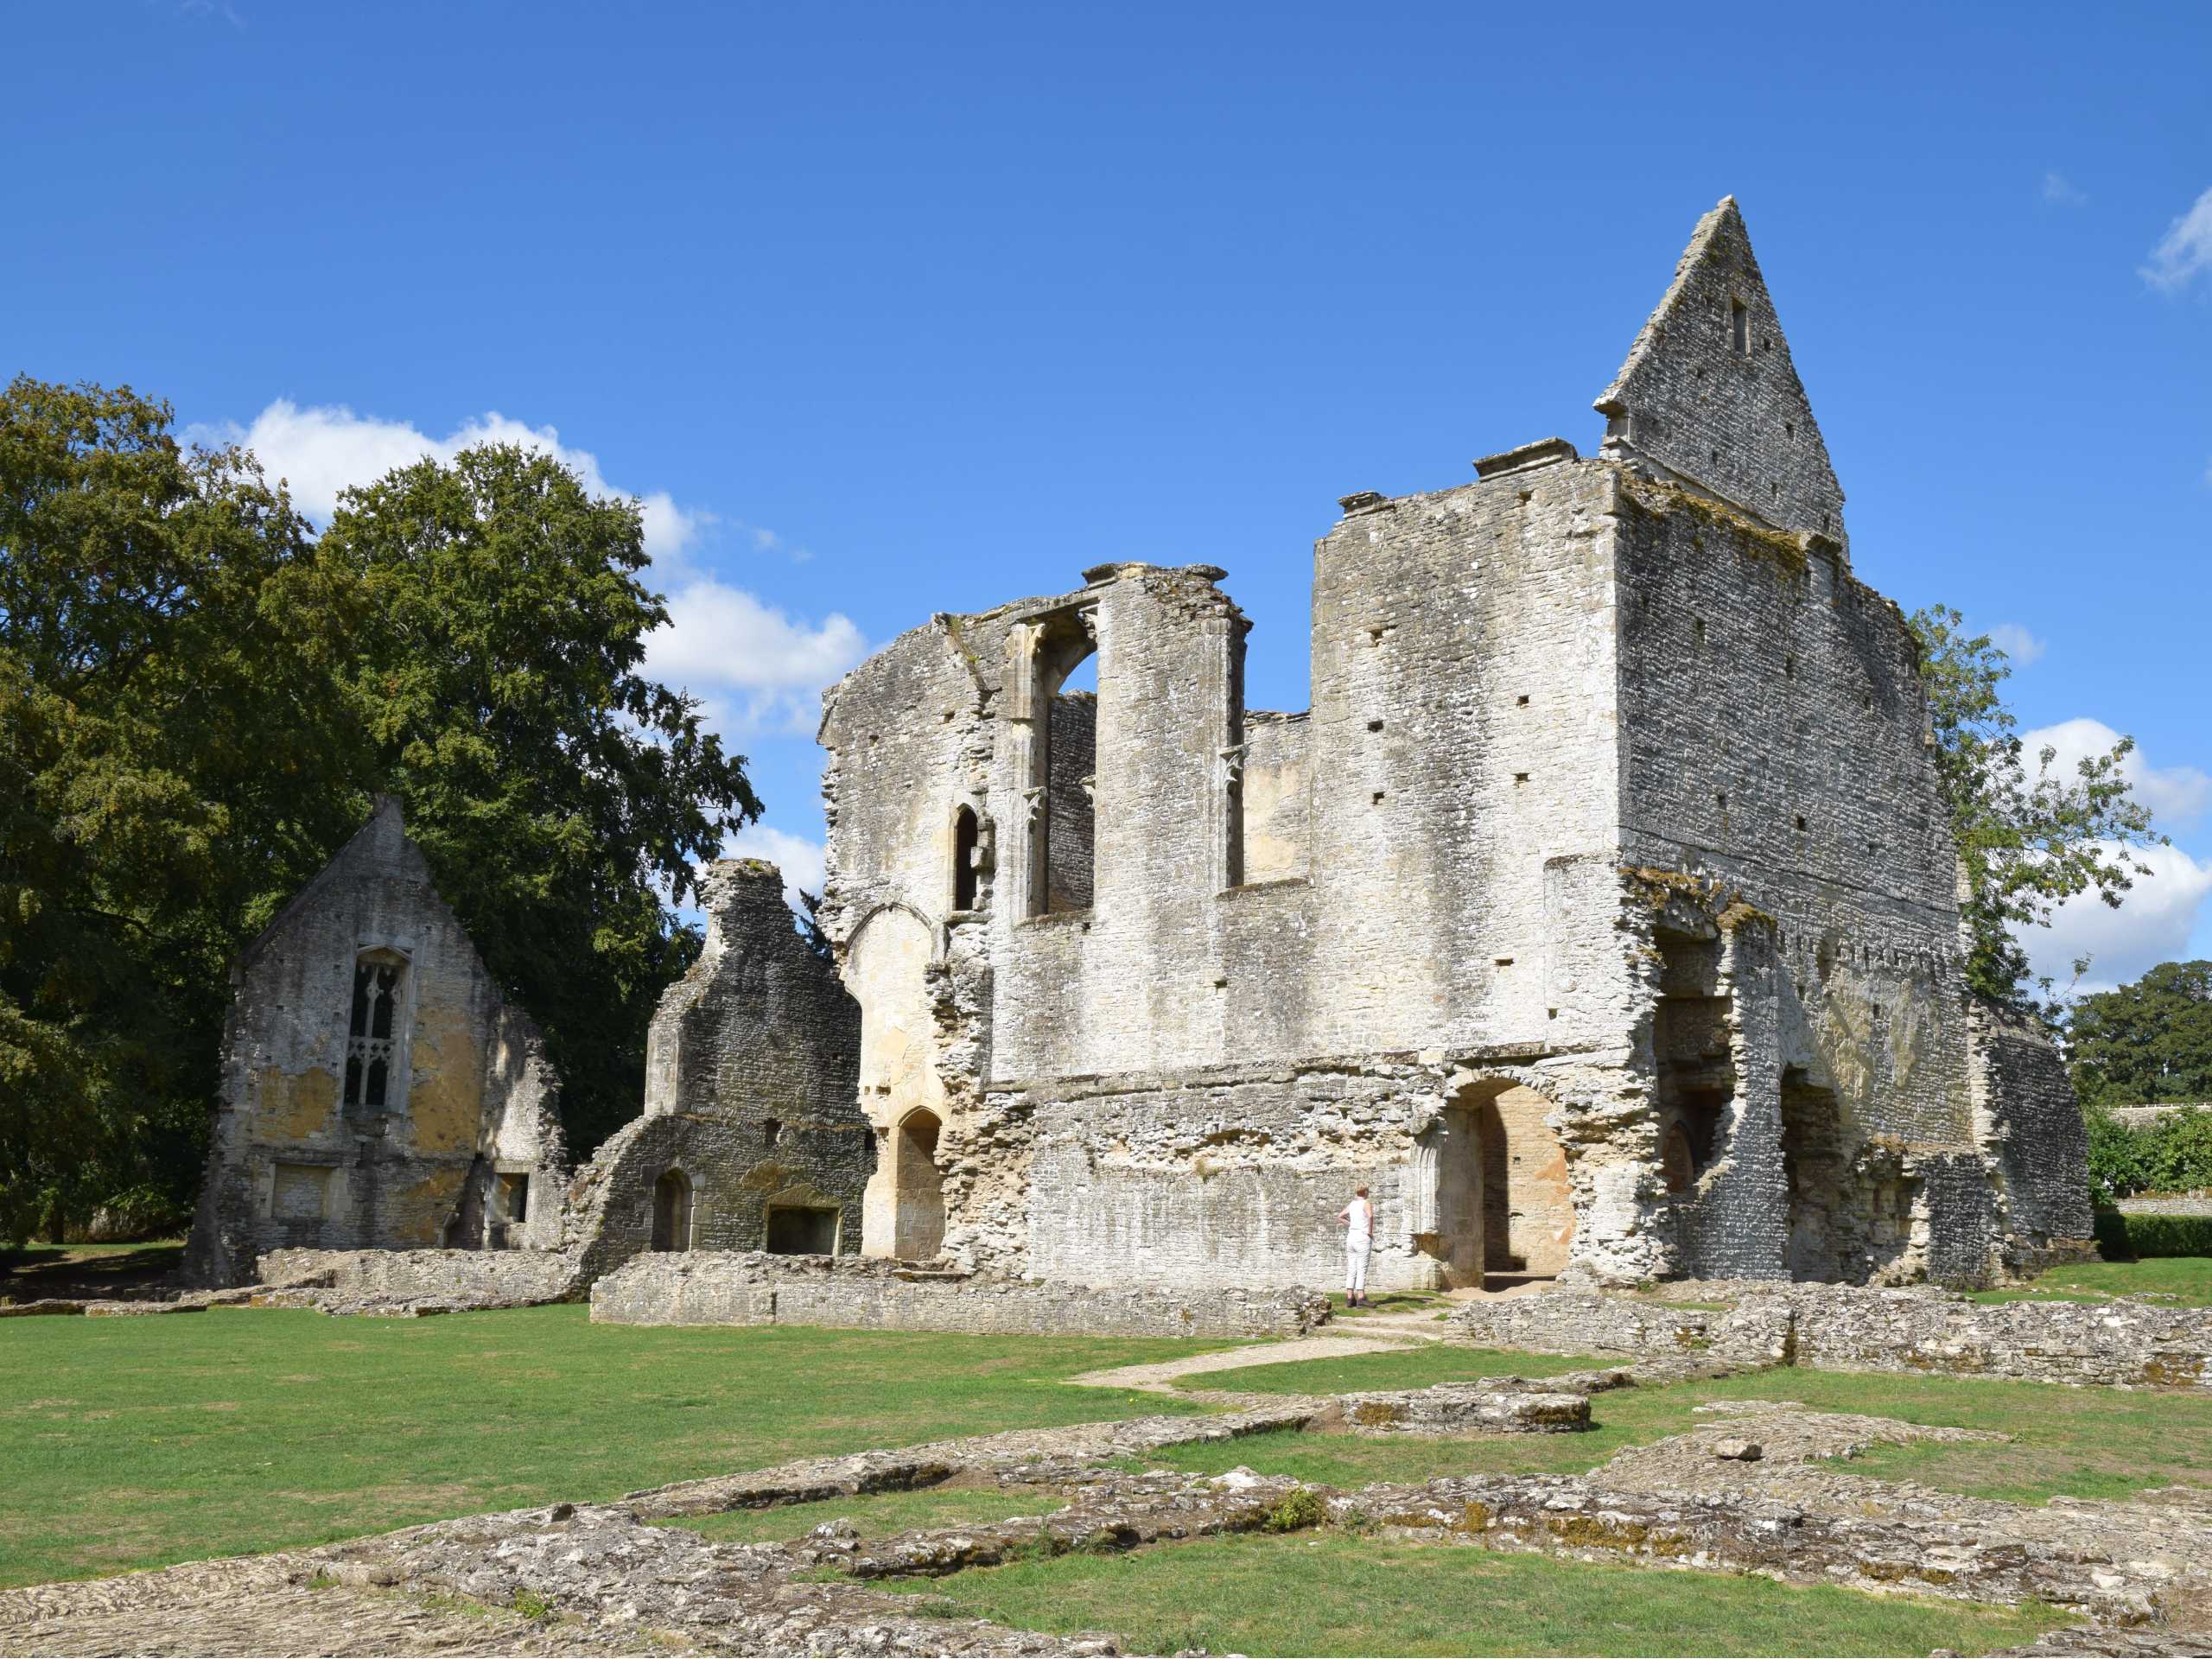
322	449
756	667
2017	643
2186	251
799	859
2177	795
2152	925
2059	191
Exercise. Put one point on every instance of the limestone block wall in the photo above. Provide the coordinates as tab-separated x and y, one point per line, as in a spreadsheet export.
426	1121
2031	1129
753	1063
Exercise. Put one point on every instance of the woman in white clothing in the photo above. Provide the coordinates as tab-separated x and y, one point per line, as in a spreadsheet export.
1358	1219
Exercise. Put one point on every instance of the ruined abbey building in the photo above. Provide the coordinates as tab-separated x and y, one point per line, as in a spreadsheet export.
1600	913
389	1117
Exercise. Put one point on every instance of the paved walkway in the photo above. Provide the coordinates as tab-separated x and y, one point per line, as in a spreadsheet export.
1372	1334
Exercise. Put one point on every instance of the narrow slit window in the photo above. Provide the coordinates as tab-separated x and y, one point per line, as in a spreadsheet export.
1739	328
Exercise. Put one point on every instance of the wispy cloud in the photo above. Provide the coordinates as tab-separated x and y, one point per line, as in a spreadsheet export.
2059	191
2186	251
2017	643
2152	925
756	668
2177	795
323	448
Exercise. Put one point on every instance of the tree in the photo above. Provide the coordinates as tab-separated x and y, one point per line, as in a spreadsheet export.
171	764
559	794
2148	1042
2028	840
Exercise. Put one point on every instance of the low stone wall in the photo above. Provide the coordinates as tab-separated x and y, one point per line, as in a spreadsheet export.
2167	1204
867	1293
2123	1343
461	1278
1585	1322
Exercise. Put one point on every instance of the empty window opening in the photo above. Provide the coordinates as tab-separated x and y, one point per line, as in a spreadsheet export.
918	1228
967	845
772	1130
1520	777
1697	629
1694	1059
1800	822
1501	962
1058	702
1373	725
1379	798
672	1212
1739	328
1790	429
1789	668
510	1197
1521	701
801	1230
374	1019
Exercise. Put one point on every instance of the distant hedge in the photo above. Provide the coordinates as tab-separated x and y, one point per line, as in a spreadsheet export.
2129	1237
2171	1155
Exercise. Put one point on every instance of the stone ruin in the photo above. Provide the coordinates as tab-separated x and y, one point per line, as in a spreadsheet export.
1600	914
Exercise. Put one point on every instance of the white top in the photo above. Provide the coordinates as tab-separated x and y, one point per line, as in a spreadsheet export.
1359	1221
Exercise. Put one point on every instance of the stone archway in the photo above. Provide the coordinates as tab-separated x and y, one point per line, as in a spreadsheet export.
887	970
1447	1196
919	1185
672	1212
1527	1204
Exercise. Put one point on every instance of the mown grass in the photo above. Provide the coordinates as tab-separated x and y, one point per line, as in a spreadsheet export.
1330	1592
874	1514
137	1442
2188	1279
1402	1368
2079	1442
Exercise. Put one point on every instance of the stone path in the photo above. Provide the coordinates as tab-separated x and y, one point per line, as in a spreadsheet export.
1374	1333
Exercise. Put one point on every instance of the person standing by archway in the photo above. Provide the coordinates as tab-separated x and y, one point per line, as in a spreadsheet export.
1358	1219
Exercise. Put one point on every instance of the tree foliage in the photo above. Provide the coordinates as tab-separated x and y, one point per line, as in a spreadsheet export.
2171	1155
2029	835
2148	1042
198	698
559	794
169	763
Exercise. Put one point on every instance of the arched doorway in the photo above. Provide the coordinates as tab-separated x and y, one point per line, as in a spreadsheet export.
672	1212
1527	1207
1447	1196
918	1230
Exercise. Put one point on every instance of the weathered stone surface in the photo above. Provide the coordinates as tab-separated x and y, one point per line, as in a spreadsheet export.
1600	914
2127	1342
715	1288
377	1090
1459	1407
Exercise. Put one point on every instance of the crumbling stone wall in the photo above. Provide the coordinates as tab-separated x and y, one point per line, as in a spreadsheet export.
378	1092
722	1288
752	1073
1616	784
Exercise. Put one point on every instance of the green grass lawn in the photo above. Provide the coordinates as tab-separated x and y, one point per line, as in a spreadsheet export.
137	1442
1330	1592
2081	1442
2186	1278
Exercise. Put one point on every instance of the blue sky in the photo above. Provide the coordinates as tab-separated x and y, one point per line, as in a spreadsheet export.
893	310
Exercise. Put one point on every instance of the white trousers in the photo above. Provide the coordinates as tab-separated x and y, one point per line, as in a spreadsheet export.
1356	1249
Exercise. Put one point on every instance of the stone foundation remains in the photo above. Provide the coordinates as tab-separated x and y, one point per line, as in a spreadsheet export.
722	1288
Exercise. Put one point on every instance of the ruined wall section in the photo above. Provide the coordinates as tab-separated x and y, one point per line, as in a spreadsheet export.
2028	1119
1276	801
1774	743
1710	398
467	1095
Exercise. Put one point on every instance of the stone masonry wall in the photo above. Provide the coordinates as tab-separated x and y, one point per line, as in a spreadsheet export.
469	1097
718	1289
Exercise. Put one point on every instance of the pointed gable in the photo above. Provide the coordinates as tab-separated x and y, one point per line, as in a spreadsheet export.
1709	393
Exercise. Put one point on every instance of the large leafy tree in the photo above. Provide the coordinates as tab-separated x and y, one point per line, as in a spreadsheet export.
171	762
2030	834
2147	1043
559	793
